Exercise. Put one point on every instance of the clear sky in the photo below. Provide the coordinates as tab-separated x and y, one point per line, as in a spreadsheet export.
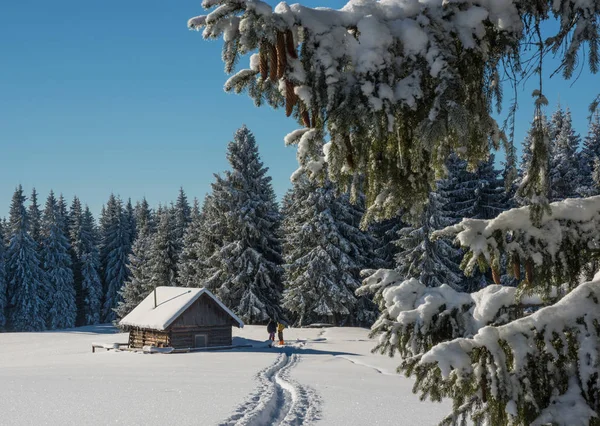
119	96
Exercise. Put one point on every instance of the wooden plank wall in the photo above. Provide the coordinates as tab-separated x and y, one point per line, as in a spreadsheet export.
183	337
140	338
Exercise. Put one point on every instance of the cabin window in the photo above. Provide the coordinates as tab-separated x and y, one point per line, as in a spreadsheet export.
200	340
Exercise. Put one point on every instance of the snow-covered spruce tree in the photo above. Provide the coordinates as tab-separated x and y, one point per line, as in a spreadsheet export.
324	251
189	267
181	219
245	268
397	88
115	247
441	312
75	221
35	218
163	256
435	263
564	170
587	158
3	298
386	234
535	370
56	261
27	309
91	283
139	283
129	212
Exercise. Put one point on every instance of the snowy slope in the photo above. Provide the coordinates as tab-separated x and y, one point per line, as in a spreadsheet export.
328	375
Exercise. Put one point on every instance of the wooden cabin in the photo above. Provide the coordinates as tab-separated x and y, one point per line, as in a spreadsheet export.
181	318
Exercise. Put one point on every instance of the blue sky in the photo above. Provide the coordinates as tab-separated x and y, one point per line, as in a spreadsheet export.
119	96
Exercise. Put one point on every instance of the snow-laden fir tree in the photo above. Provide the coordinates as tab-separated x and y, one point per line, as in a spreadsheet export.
181	218
75	221
56	261
163	256
564	167
3	286
91	283
24	275
386	233
139	283
86	263
398	88
590	151
115	247
438	262
362	251
129	212
188	267
324	251
35	218
245	267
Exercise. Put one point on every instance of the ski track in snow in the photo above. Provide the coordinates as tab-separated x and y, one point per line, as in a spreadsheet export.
278	399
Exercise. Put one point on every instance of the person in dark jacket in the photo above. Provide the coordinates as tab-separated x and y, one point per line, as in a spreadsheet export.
271	329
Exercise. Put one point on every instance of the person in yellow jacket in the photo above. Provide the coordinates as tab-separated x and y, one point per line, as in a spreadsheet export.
280	328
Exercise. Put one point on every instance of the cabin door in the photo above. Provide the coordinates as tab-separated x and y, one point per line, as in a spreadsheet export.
200	340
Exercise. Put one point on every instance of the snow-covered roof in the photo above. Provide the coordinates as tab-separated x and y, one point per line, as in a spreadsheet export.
171	302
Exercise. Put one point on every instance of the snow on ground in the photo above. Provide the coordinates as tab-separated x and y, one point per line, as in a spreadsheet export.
325	375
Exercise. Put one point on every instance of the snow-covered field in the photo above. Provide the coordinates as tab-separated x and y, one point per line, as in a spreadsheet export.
326	375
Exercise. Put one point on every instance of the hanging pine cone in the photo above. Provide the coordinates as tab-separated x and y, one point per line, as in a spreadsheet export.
272	62
289	44
263	64
496	275
281	54
290	98
516	265
313	116
529	271
305	117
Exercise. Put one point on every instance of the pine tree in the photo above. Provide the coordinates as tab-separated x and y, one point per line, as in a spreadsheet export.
115	249
56	259
91	283
386	233
75	224
324	251
27	309
490	198
245	267
189	268
564	173
587	158
130	219
35	219
163	259
3	286
433	262
181	217
139	283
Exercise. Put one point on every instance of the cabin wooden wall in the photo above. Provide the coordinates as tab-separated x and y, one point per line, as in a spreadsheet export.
183	337
140	338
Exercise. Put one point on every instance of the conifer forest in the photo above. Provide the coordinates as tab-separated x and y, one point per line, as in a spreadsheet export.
472	257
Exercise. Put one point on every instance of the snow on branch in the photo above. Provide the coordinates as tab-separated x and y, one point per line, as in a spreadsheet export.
558	250
533	370
415	317
398	84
